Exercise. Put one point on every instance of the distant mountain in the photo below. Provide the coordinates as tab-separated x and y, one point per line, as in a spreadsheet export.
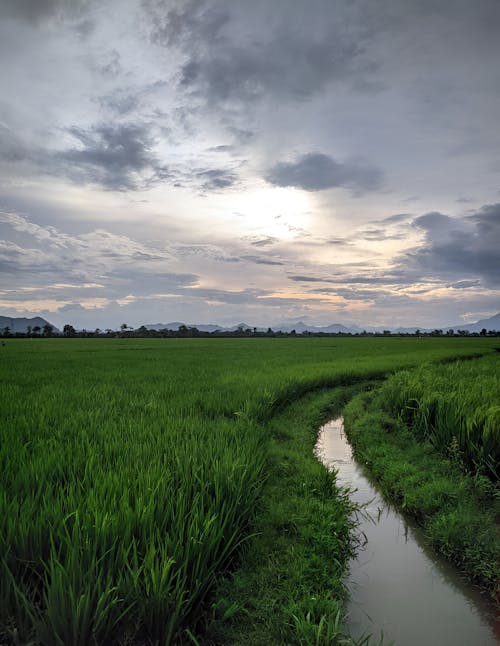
300	327
164	326
175	325
492	323
21	324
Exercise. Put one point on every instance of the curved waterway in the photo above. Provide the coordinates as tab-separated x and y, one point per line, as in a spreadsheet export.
399	588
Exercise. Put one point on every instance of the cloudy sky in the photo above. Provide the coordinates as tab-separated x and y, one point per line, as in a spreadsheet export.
219	161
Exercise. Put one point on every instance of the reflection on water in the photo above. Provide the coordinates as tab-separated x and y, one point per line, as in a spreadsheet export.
398	586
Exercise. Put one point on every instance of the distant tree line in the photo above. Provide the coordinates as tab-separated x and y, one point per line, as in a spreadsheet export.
184	331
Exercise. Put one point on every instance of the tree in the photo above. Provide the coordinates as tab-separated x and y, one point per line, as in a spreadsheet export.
69	330
47	330
36	330
6	331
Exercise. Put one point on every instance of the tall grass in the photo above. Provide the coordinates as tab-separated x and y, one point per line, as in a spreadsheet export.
130	471
456	406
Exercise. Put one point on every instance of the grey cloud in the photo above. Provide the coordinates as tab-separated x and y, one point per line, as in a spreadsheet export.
317	172
259	260
16	260
12	148
338	241
30	10
111	67
71	307
226	63
236	298
397	218
206	251
36	11
466	248
147	280
176	25
123	100
264	242
223	148
117	157
216	179
464	284
95	257
309	279
380	234
85	27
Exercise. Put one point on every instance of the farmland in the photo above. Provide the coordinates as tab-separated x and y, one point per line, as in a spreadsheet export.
431	437
132	471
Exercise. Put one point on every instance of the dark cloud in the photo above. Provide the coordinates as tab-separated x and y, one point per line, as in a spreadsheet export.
120	102
264	242
176	25
12	148
36	11
464	248
216	179
464	284
124	100
309	279
224	296
380	234
227	61
338	242
223	148
118	157
30	10
317	172
259	260
397	218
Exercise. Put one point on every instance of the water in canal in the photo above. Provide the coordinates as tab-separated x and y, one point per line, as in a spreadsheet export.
398	586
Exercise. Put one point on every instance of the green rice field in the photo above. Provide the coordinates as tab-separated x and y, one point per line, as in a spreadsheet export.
456	406
131	470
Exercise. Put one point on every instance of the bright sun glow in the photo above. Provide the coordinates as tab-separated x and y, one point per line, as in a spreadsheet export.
273	211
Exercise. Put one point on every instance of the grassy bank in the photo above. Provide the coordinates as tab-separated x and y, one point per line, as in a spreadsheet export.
131	471
458	507
454	406
288	587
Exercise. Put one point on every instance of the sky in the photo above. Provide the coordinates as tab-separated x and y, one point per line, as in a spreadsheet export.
227	161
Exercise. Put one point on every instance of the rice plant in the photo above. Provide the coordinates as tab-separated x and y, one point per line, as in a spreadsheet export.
456	406
130	470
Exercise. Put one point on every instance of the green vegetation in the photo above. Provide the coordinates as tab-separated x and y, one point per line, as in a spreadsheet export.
132	472
395	431
455	406
288	588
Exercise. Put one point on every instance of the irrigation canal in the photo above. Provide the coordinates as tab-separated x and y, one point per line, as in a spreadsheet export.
398	586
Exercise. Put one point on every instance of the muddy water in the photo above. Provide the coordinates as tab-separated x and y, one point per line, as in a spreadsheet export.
398	587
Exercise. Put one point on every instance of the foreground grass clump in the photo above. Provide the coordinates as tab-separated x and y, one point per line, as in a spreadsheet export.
131	471
455	406
457	510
